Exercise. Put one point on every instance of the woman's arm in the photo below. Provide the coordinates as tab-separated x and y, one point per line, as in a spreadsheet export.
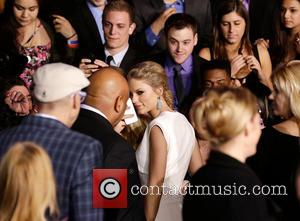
196	160
157	170
205	53
266	65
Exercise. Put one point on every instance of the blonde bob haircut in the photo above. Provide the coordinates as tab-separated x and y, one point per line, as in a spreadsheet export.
27	186
286	79
224	113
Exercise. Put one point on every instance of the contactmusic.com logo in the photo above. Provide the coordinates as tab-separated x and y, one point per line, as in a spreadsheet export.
109	188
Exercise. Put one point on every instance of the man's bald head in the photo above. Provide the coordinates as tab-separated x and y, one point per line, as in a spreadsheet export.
108	92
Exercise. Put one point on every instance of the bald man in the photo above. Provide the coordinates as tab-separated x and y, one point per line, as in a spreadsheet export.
103	108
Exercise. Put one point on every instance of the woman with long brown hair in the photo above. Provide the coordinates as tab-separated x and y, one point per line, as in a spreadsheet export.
231	42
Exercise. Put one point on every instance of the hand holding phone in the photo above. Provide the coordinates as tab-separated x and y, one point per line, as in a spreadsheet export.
130	111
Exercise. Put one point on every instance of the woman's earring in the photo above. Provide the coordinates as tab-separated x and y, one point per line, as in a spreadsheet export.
159	104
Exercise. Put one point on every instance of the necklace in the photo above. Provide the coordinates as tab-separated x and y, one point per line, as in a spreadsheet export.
29	41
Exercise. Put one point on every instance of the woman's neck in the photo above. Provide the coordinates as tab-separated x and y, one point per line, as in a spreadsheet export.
233	149
28	28
232	50
294	31
155	112
290	126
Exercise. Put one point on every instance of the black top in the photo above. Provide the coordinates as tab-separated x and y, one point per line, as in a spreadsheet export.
236	201
275	163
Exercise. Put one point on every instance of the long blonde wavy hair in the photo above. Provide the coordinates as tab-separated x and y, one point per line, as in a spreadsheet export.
27	185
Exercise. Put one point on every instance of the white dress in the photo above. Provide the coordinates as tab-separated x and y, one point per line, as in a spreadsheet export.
180	137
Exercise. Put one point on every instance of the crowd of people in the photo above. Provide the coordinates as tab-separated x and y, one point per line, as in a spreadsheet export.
215	85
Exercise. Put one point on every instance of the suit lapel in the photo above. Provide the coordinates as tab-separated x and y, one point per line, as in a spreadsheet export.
91	23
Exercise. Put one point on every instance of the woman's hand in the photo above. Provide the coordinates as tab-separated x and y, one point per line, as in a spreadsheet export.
121	125
253	63
63	26
237	63
297	43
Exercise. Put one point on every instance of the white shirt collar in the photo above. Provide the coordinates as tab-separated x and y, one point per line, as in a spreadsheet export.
117	58
46	116
90	108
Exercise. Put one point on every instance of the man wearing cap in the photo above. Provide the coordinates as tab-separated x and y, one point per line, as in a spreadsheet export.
73	155
102	110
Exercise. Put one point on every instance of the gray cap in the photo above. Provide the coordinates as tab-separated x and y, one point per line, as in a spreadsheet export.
55	81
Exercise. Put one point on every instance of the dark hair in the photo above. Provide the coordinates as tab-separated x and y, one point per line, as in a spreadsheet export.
219	51
8	27
278	45
217	64
119	5
180	21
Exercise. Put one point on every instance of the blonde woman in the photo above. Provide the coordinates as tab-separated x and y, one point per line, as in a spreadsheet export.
168	147
229	120
27	186
279	147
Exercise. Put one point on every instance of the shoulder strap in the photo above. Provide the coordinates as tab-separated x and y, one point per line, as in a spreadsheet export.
255	52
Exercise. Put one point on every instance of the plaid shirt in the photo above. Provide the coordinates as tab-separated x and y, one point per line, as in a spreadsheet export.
73	156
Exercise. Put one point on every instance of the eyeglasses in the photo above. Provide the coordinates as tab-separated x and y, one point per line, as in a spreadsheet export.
82	95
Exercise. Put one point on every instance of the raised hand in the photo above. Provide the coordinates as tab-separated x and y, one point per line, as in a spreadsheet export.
159	23
63	26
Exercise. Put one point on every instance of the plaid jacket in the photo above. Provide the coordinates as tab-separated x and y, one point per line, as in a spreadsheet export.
73	156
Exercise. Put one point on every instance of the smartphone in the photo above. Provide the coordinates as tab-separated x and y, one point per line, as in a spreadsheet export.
130	110
92	57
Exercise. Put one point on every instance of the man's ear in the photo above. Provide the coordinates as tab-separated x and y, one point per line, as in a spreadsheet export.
132	28
76	101
195	39
119	104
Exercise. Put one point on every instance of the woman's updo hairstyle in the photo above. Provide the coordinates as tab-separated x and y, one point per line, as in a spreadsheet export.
154	75
224	113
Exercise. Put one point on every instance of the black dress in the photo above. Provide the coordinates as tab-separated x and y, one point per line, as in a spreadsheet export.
275	163
236	201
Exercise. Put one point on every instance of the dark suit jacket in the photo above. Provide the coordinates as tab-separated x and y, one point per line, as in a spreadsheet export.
196	80
148	10
73	157
131	58
117	154
227	175
85	25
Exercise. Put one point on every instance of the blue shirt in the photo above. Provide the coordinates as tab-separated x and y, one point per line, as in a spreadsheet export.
186	76
246	4
97	14
150	36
